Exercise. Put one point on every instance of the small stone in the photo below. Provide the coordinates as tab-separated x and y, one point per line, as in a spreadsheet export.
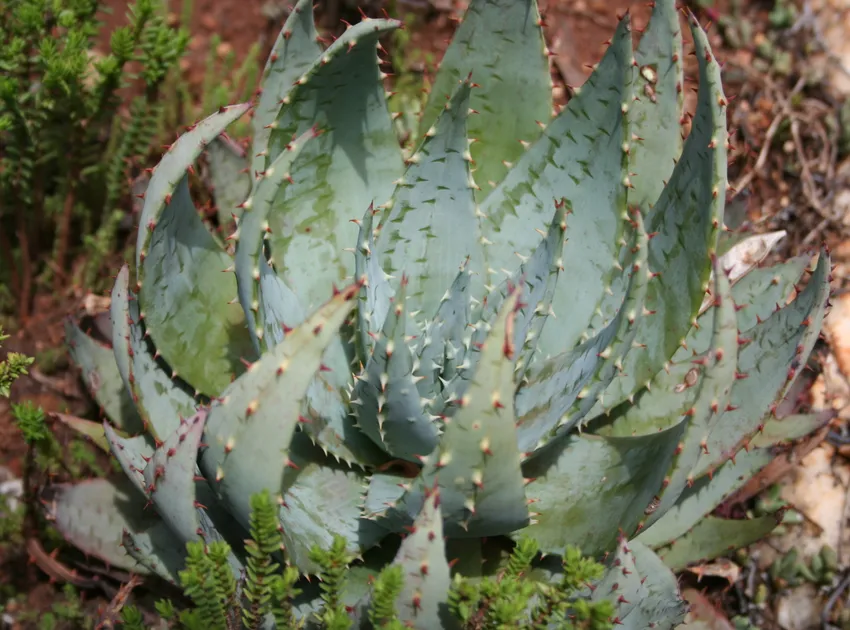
837	327
11	490
208	22
224	49
799	609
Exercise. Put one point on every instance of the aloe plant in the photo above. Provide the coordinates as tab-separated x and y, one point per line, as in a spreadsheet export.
538	314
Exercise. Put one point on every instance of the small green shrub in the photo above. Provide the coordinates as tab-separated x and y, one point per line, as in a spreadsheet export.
265	592
65	142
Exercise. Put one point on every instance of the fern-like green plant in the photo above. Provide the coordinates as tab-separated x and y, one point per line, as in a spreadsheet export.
208	581
11	368
385	592
261	566
266	593
64	141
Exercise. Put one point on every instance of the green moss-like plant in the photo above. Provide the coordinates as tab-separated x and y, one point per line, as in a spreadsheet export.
268	594
11	368
64	141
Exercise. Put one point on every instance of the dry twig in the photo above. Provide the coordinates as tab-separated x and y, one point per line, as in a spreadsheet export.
112	613
784	112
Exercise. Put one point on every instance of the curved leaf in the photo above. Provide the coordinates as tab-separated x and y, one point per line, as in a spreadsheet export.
386	400
587	489
661	606
476	464
704	495
430	226
254	421
295	50
579	157
161	400
265	310
685	222
714	537
230	178
200	332
353	163
561	390
93	515
768	364
102	378
500	44
655	115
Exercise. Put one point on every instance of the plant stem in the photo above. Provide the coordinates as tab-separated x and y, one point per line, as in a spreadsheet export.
9	260
65	230
25	294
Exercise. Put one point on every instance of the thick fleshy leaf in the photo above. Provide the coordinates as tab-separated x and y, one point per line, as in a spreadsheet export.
386	399
377	292
757	295
655	114
92	430
171	169
469	325
685	222
386	489
102	378
170	478
706	493
200	332
230	178
430	227
500	43
160	399
621	582
132	454
321	499
714	537
157	550
743	257
295	50
539	276
269	394
265	310
353	163
477	463
443	344
422	557
561	390
92	515
687	379
587	489
697	394
709	491
768	364
661	606
330	424
790	428
280	308
255	418
715	376
762	290
579	158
